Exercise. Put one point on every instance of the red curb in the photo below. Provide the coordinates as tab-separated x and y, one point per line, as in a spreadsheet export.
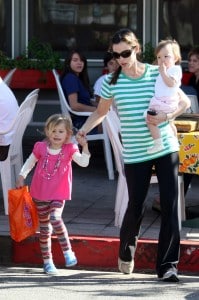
103	252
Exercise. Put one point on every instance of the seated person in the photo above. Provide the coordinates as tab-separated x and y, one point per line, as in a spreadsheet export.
8	111
75	84
111	65
192	87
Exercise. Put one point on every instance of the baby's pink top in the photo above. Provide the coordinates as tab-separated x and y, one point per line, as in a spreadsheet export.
59	186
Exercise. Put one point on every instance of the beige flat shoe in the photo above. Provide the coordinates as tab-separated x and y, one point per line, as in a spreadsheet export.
125	267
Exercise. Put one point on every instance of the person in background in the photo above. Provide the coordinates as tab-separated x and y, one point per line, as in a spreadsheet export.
8	111
76	86
166	87
193	81
52	184
132	87
110	65
193	65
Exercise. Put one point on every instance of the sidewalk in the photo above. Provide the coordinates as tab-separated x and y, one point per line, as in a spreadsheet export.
89	218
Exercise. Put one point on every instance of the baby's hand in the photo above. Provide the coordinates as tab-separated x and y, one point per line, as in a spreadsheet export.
162	68
20	182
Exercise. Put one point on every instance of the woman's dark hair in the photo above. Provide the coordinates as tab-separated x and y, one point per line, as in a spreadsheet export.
127	36
83	75
194	51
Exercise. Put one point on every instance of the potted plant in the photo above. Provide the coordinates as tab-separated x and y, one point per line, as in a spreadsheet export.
148	55
5	64
34	66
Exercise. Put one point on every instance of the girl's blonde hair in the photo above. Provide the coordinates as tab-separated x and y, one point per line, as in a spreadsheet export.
175	48
57	119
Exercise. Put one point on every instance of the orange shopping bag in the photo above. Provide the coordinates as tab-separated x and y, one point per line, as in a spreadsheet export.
23	216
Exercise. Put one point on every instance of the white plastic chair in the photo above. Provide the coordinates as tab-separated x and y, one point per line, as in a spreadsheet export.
66	109
11	167
8	78
194	108
113	129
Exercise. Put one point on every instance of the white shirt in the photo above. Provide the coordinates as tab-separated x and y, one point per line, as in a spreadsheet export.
8	111
98	85
82	159
162	90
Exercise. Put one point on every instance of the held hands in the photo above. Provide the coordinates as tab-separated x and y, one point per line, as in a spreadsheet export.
80	134
81	139
20	182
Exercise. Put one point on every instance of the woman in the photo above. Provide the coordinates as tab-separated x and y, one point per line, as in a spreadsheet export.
193	81
132	87
75	84
193	65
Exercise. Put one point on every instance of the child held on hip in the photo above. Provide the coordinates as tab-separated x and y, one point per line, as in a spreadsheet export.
166	89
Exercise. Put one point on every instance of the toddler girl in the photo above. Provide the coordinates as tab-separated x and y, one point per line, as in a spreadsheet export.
52	183
166	88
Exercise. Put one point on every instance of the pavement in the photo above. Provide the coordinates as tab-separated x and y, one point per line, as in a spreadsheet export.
79	284
89	218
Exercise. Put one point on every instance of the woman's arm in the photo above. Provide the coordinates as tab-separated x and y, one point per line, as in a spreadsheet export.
96	117
184	104
76	106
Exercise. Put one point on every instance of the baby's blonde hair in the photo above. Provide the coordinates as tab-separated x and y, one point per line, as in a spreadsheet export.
175	48
55	120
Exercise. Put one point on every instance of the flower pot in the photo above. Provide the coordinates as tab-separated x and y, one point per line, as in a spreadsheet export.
32	79
3	73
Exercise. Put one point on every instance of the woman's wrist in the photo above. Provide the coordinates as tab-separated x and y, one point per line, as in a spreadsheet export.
169	117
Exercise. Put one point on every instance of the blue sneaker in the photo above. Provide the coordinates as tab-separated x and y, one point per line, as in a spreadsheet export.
70	258
50	268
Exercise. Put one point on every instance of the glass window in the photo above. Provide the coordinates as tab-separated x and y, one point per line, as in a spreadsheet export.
5	26
179	20
86	25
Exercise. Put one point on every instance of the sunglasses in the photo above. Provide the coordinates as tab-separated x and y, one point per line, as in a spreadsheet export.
124	54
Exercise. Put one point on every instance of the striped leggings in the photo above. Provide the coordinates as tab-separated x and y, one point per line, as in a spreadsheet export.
50	219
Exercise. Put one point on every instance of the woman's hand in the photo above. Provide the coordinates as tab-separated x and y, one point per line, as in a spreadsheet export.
156	119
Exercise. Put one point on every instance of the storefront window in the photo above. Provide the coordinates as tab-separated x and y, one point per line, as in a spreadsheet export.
86	25
5	26
179	20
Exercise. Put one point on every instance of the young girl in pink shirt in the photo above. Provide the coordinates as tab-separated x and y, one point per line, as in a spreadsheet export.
52	184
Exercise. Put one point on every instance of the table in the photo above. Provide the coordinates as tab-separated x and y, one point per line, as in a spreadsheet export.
189	163
189	152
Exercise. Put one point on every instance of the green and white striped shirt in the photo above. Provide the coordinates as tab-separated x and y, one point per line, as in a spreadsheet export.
132	98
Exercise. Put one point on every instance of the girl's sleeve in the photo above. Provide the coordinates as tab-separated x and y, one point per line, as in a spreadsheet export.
82	159
28	165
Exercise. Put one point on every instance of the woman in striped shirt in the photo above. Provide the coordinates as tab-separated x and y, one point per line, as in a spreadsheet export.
132	87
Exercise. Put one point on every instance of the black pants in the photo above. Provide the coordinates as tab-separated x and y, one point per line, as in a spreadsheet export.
138	180
187	180
4	152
